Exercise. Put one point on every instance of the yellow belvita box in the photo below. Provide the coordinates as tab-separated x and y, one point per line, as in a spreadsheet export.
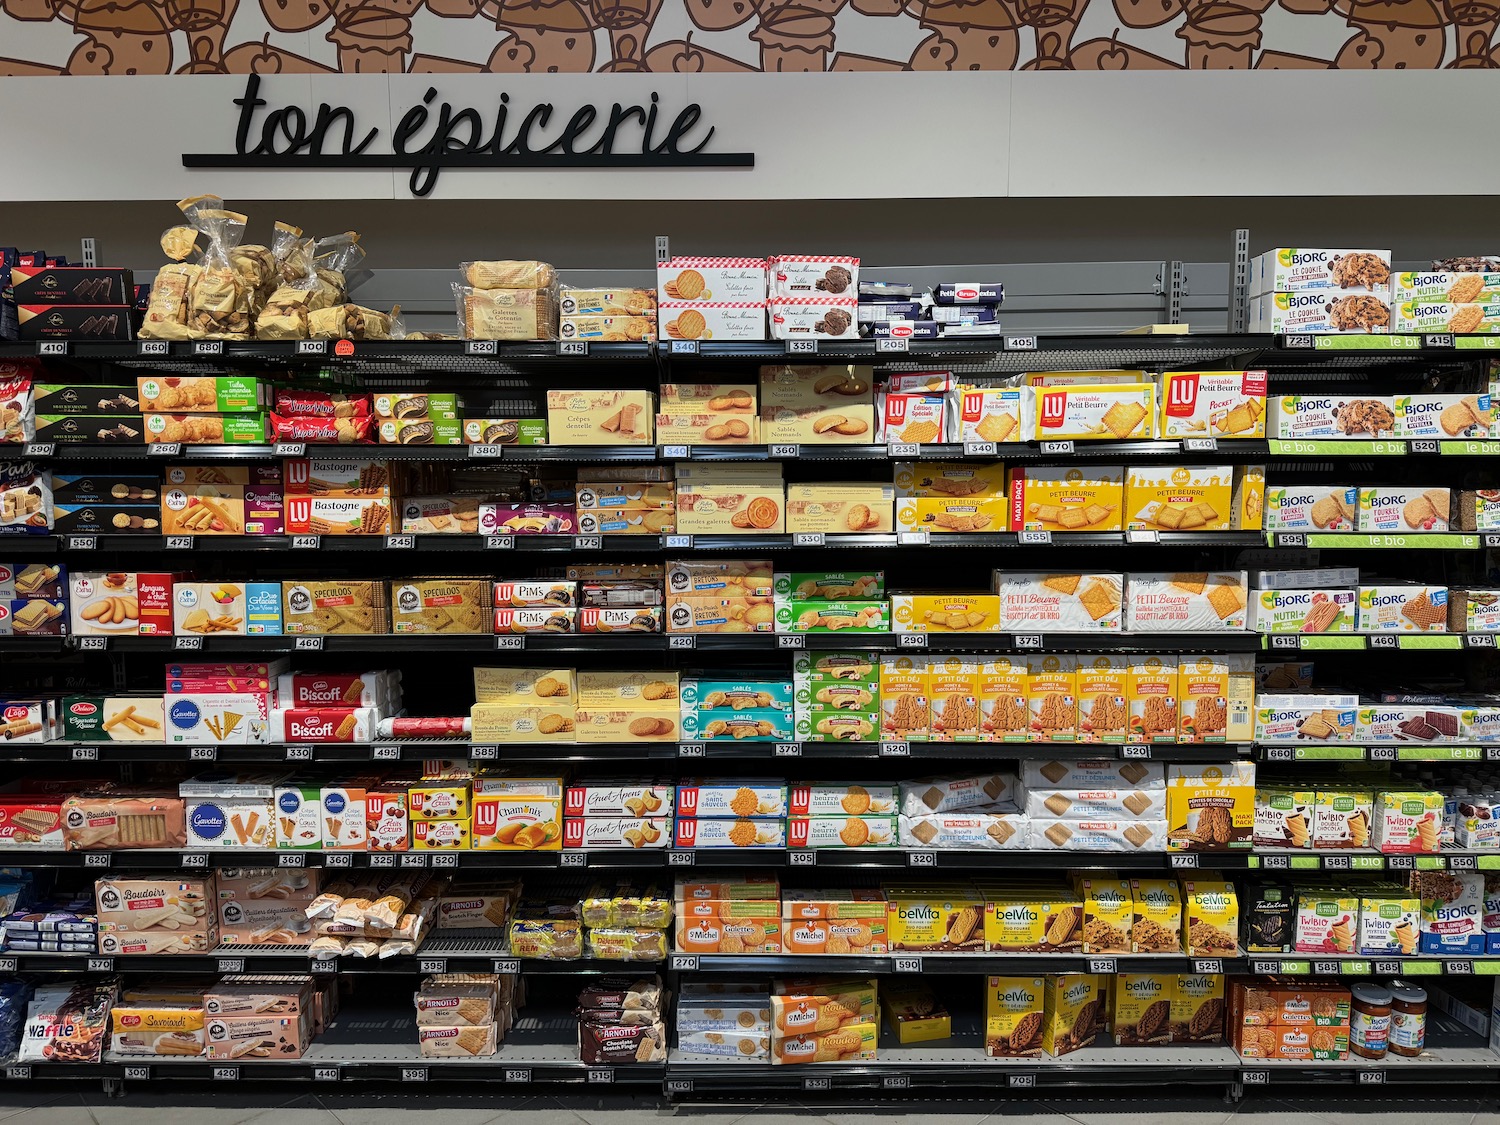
1068	498
1072	1012
601	417
1108	915
1157	923
1216	404
1210	918
1114	412
1179	497
1143	1008
1014	1010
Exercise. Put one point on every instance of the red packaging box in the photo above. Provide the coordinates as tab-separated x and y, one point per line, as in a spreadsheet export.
331	689
154	596
338	478
387	827
31	822
323	724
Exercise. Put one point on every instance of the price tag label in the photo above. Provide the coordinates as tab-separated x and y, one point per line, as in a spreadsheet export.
677	542
386	753
682	640
1387	968
325	1074
1200	445
480	347
499	542
897	450
1371	1078
1400	862
432	965
802	857
675	453
8	964
685	963
921	859
913	538
1057	447
1022	1081
1423	445
486	452
291	859
807	539
302	753
194	860
400	542
1102	965
681	859
178	543
1142	535
692	749
414	1074
1265	968
97	859
444	859
907	964
52	347
1382	641
307	644
572	347
506	966
791	640
911	640
306	542
518	1074
137	1073
85	753
684	347
792	452
208	347
1034	538
895	749
1459	968
231	964
152	347
380	859
801	347
1276	862
1291	539
1278	753
93	644
573	859
226	1074
603	1075
1326	968
787	750
1461	863
587	543
338	859
18	1073
1208	965
1438	340
895	1082
1255	1077
1382	753
1027	640
1290	641
1182	859
1020	343
1297	341
312	347
83	543
820	1083
413	859
101	964
1135	751
512	643
900	344
291	449
1479	640
40	449
1335	863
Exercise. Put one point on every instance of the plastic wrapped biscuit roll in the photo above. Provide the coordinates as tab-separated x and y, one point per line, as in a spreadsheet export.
509	275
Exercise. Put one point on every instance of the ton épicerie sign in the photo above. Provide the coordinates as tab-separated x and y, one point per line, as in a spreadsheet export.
434	134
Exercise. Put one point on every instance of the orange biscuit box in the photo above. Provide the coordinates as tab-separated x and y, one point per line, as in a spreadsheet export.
1052	697
727	926
1003	713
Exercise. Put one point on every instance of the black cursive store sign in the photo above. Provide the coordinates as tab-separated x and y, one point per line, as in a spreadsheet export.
429	138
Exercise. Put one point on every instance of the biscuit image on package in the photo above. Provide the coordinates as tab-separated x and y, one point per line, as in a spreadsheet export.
1100	598
1422	613
1332	510
1227	599
1122	418
1467	319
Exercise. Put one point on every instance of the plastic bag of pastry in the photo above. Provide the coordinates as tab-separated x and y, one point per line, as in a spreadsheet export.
220	303
621	994
335	258
284	313
348	322
397	947
293	255
256	266
180	243
362	947
327	903
509	275
326	945
506	314
601	1044
386	910
167	310
360	898
549	930
625	905
627	943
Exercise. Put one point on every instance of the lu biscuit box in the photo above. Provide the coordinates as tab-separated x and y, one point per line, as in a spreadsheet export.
1116	412
1217	404
1001	416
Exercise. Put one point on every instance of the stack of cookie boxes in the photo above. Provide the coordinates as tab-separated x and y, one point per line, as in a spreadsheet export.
1335	418
1317	289
731	813
1279	1019
836	696
824	1020
739	710
713	916
617	815
1445	301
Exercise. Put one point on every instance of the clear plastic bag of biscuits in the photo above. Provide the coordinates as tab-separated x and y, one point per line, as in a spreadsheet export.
506	314
171	291
284	313
508	275
349	322
338	268
219	304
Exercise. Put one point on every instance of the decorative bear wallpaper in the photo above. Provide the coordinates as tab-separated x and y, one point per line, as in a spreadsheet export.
159	37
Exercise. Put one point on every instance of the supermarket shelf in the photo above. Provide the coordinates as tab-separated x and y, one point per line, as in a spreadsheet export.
1404	752
1369	860
727	750
953	964
612	544
392	644
1359	642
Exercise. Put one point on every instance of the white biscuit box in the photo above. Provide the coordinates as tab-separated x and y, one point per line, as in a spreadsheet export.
712	320
1403	609
1324	416
1452	288
1444	416
1429	723
221	718
1303	611
1095	804
1227	404
711	279
1114	412
728	798
1291	718
1290	269
1443	316
1316	507
967	831
1000	415
1099	773
1402	510
1452	912
1098	835
1389	923
1060	603
1185	602
804	275
1323	312
728	833
812	318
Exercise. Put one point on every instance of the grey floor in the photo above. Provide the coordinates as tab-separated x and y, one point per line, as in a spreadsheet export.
222	1107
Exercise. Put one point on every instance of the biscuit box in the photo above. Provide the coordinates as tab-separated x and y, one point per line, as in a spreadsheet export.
939	919
1059	603
1014	1011
1444	416
1403	609
1073	1011
1210	918
600	417
1211	807
1299	269
1116	412
1403	509
1156	924
998	415
1213	404
1311	508
1320	312
865	831
1197	1011
1184	602
1067	499
1303	611
952	480
840	508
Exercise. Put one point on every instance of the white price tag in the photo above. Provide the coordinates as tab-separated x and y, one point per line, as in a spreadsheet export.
1200	445
1276	862
1104	965
510	643
911	640
787	750
194	860
400	542
1142	535
1278	753
677	542
979	449
572	347
1380	640
506	967
907	964
444	859
308	644
597	1076
291	859
1182	859
573	859
101	964
802	857
208	347
898	450
921	859
518	1074
682	641
486	452
93	644
291	449
792	452
152	347
187	644
801	347
312	347
1423	445
1291	539
692	749
1209	965
432	965
807	539
895	749
818	1083
1335	863
1027	640
379	859
1371	1078
684	347
52	347
178	543
1438	340
413	859
226	1074
82	543
97	859
307	542
791	640
137	1073
1135	751
684	963
414	1074
1255	1077
587	543
40	449
85	753
386	753
1291	641
895	1082
1020	343
18	1073
681	859
325	1074
1479	640
1057	447
1034	538
484	753
900	344
231	964
1022	1081
339	859
1461	863
1297	341
499	542
480	347
1382	753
